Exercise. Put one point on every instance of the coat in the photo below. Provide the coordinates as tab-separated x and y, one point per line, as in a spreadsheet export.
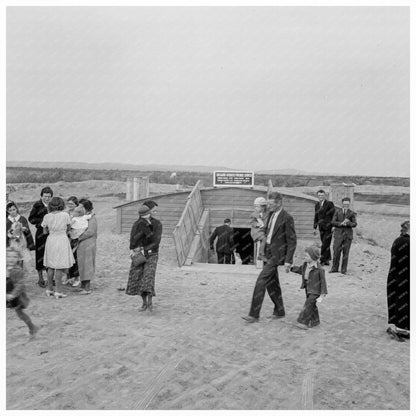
323	215
36	217
315	284
87	250
398	283
156	229
140	234
225	239
283	241
343	230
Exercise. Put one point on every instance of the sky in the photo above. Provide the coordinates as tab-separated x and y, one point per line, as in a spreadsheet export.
318	89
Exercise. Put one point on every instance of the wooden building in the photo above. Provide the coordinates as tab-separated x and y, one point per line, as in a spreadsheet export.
191	216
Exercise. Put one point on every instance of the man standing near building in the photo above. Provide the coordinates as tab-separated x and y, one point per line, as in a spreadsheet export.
324	211
280	248
225	242
343	221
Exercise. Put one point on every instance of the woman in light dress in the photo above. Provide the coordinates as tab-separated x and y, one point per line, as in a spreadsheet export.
87	249
58	257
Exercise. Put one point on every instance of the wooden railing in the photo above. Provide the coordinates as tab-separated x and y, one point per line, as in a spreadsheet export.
188	224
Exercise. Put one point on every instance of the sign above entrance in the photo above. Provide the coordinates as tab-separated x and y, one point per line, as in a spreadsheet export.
234	178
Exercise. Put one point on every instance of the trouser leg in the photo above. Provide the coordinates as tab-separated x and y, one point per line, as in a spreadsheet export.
345	254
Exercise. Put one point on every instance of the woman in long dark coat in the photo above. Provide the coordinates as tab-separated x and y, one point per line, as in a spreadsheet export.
142	278
39	210
398	286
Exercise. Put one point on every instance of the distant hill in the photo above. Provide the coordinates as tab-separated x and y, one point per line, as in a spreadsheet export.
114	166
153	167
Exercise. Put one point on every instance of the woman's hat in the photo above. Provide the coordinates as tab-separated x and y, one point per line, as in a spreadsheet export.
313	251
143	210
260	201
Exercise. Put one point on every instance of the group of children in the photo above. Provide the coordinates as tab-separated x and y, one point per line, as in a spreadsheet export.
313	275
19	242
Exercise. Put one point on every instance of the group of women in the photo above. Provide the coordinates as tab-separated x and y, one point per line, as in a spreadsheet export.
64	260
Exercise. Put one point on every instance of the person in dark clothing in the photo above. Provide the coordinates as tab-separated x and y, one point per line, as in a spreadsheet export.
344	220
314	283
324	211
39	210
225	242
280	248
398	286
145	237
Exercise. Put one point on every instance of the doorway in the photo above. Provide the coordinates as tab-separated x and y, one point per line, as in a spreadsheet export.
244	245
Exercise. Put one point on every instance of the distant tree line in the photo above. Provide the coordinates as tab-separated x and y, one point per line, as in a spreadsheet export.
49	175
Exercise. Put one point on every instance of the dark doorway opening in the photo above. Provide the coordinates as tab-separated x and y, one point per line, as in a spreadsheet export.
244	245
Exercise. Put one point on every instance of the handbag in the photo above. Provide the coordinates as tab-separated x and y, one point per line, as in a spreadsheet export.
138	259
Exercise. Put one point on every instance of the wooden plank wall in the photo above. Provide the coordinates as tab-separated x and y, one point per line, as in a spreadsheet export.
169	212
187	226
237	204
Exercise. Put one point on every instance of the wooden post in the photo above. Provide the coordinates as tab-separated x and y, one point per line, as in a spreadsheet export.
143	187
269	187
129	193
135	189
341	190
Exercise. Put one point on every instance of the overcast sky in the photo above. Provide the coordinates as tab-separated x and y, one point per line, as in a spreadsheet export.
318	89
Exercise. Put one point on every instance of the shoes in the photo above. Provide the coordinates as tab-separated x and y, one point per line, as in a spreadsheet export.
64	281
150	307
402	333
325	263
275	316
84	292
343	272
60	295
333	271
143	308
261	257
250	319
49	292
76	283
301	326
41	283
394	335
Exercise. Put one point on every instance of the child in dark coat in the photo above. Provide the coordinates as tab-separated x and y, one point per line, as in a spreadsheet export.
16	297
314	283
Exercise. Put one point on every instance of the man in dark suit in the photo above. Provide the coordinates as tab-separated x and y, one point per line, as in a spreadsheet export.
225	242
324	211
343	221
280	248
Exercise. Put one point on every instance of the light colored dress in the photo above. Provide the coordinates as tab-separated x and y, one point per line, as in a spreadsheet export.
87	250
58	252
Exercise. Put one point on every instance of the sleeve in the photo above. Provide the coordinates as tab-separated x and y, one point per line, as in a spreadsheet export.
290	239
91	231
335	221
296	269
29	238
34	217
324	290
353	221
212	238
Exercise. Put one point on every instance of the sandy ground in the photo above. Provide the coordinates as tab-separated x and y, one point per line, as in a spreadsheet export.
195	352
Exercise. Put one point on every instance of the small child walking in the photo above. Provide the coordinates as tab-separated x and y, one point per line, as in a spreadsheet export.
16	297
258	226
314	283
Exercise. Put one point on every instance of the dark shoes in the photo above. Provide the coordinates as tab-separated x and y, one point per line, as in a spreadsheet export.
143	308
41	283
250	319
394	335
333	271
